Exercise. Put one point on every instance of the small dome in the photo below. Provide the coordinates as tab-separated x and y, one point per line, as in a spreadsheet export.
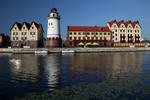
53	10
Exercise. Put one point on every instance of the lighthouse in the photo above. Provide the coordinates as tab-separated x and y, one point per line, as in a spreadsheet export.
53	30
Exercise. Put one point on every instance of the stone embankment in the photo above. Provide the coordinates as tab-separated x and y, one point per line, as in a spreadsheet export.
76	50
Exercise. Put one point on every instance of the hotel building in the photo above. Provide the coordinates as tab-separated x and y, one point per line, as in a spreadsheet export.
26	34
125	32
87	36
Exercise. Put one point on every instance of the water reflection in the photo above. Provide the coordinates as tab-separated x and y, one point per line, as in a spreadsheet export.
96	67
25	67
52	69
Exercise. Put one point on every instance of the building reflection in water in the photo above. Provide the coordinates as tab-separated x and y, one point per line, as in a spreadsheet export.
96	67
52	69
25	67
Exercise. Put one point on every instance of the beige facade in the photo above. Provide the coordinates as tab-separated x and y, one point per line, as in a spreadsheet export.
101	36
125	31
26	32
89	35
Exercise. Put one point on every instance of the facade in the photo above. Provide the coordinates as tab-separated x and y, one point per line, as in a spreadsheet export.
53	31
88	36
4	40
26	34
125	32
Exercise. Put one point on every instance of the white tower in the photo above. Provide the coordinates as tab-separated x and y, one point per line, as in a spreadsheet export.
53	30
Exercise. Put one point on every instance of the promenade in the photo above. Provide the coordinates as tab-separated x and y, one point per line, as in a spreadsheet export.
76	50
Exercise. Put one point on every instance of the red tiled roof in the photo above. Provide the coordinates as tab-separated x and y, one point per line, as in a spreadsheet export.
36	25
134	23
88	28
120	22
125	23
27	24
111	23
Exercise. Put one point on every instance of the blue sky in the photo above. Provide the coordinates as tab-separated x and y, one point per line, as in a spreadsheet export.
75	12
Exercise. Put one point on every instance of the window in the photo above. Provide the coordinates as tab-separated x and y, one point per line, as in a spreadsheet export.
13	33
83	33
104	33
108	33
23	27
70	33
79	33
130	30
32	27
79	38
116	38
96	33
21	38
92	38
30	33
16	38
123	30
100	33
120	30
33	33
53	15
135	31
101	38
16	33
83	38
88	33
15	28
70	38
88	38
116	34
74	38
92	33
104	38
25	33
13	38
22	33
116	30
74	33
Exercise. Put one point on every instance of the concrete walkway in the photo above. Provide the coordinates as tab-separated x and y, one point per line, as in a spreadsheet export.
76	50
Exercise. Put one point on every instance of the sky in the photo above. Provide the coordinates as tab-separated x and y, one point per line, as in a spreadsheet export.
74	13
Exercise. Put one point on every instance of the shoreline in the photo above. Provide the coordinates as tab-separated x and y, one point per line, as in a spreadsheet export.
74	50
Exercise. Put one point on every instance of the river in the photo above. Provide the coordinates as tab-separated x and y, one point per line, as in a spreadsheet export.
25	73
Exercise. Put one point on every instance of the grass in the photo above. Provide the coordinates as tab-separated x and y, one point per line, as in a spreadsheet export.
107	90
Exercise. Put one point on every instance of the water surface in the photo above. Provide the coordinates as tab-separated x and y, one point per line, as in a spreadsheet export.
22	74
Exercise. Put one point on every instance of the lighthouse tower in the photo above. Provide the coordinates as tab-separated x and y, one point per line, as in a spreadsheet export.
53	30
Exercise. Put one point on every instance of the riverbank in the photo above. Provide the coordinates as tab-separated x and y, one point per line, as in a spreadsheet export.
76	50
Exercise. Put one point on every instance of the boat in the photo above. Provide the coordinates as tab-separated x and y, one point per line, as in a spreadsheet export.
68	51
41	52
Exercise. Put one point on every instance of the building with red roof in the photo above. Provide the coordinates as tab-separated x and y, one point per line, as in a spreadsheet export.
125	32
88	36
25	34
